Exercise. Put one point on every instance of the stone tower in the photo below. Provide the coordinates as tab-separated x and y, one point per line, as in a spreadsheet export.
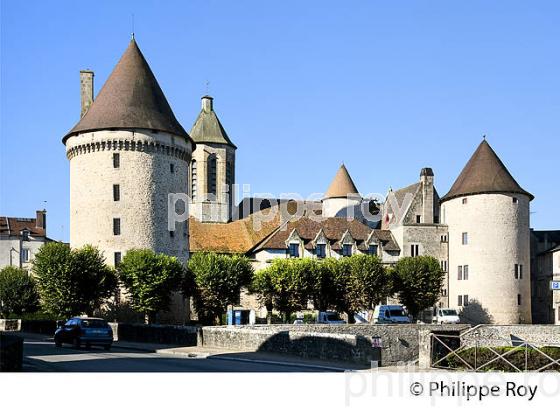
342	197
212	167
127	153
487	214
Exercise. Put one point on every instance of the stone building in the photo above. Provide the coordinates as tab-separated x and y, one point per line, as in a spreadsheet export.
21	238
127	153
212	168
545	267
487	215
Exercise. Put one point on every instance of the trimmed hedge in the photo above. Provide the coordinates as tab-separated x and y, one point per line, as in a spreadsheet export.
481	355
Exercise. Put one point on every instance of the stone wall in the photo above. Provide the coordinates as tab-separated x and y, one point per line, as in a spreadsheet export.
329	342
161	334
511	335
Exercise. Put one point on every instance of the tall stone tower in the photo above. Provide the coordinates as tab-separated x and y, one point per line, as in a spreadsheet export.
212	167
487	214
127	153
342	198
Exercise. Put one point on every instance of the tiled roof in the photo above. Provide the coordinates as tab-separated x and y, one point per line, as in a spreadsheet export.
11	226
333	228
342	185
484	173
234	237
130	98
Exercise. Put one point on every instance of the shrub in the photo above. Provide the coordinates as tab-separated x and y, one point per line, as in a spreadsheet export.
18	292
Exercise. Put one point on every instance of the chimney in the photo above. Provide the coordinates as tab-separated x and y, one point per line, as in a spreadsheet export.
86	90
207	103
41	220
427	181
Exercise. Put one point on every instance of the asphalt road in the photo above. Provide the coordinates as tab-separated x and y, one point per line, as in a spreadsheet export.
41	355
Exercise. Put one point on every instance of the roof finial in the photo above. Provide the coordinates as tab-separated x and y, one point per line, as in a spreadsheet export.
484	137
207	87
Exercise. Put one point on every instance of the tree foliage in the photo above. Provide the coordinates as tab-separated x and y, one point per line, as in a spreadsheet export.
72	282
418	281
150	278
215	281
18	292
346	284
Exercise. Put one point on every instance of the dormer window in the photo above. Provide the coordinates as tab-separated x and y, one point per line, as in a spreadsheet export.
293	250
321	250
25	235
373	248
347	249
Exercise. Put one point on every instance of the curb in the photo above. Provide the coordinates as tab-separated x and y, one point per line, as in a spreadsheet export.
195	355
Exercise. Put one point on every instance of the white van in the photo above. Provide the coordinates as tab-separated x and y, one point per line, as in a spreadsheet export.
446	315
390	314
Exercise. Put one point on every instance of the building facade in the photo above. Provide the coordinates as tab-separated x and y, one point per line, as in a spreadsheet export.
21	238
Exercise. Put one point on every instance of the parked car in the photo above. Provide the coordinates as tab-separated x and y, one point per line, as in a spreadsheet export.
88	331
445	315
330	318
390	314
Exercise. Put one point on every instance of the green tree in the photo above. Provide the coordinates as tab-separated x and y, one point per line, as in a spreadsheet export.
18	292
263	286
150	278
369	284
72	282
418	282
215	281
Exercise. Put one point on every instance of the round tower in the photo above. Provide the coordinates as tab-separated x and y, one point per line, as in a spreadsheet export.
342	198
487	214
127	153
212	167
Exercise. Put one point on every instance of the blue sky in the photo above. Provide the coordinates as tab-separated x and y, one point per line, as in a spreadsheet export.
301	86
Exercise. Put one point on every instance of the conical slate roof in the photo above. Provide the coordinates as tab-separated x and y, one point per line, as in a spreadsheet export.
130	98
342	185
484	173
207	128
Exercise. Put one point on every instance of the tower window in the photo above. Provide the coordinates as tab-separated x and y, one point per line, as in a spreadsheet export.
347	249
229	173
414	250
515	200
465	272
436	219
116	226
117	258
172	168
116	160
465	238
444	292
211	172
194	176
116	192
418	219
519	299
443	266
321	250
518	271
171	234
293	250
459	272
464	201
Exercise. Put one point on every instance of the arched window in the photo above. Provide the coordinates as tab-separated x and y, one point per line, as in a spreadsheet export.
211	175
194	177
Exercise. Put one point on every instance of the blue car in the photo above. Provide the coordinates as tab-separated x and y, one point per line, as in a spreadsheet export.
87	331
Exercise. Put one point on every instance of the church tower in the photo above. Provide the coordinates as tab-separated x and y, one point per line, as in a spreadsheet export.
487	214
212	168
127	153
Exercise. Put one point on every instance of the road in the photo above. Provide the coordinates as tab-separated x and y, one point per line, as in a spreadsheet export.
40	355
